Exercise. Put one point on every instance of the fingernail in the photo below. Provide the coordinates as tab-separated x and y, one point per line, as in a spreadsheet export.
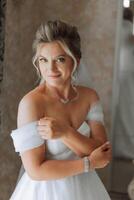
107	142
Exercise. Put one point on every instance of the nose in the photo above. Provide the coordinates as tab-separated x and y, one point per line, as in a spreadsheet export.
51	66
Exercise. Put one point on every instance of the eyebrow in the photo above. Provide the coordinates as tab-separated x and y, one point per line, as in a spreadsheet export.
56	56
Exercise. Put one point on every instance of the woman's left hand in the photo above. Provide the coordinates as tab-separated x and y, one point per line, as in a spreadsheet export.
51	128
101	156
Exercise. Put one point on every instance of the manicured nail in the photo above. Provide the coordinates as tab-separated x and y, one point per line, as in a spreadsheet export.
107	142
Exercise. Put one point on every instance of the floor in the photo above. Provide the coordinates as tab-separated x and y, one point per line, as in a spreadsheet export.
122	174
118	196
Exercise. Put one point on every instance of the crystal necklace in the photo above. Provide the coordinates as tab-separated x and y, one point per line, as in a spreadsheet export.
65	101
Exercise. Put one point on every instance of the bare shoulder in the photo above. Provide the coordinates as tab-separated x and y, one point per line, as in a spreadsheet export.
29	108
90	94
28	111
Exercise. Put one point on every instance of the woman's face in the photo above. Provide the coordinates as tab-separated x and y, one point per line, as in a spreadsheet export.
55	64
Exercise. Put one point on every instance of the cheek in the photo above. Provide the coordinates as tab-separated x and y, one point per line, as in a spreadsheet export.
70	68
42	69
67	72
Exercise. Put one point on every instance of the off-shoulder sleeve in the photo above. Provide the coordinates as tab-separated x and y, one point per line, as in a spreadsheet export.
96	113
26	137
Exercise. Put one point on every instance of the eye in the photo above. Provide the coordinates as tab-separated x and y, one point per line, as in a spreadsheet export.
61	59
44	60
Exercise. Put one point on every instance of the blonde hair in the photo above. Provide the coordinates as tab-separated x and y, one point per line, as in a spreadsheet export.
65	34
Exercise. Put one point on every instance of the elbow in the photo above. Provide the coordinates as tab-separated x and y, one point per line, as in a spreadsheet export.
39	174
34	174
34	177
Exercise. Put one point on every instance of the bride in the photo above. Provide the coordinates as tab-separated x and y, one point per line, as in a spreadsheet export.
60	137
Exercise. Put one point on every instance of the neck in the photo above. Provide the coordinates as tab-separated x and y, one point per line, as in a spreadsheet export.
63	91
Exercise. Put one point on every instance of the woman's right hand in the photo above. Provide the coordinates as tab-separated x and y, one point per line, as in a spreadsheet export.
101	156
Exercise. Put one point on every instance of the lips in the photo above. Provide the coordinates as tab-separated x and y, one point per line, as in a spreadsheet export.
54	76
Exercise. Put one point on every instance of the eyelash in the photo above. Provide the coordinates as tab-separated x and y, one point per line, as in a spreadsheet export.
43	59
61	59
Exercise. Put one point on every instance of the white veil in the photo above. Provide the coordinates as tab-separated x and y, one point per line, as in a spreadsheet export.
82	75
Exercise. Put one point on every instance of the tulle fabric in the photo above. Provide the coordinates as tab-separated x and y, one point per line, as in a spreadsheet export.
96	113
85	186
25	137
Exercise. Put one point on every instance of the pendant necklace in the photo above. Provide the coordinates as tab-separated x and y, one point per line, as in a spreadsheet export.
65	101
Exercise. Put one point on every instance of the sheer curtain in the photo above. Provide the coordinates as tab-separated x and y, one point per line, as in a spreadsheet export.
124	120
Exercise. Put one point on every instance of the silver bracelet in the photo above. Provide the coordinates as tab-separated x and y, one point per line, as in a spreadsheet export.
86	164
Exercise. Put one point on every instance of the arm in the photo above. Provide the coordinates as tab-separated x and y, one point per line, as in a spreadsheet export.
50	128
83	145
35	164
58	169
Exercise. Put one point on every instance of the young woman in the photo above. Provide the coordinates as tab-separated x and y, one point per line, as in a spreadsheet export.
60	136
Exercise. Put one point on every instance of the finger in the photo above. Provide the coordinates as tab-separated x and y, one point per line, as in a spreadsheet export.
108	159
44	137
105	146
42	132
106	163
108	155
44	122
46	117
49	118
106	143
107	151
43	128
41	122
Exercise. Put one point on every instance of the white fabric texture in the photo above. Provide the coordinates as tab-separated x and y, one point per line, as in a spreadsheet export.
85	186
96	113
25	138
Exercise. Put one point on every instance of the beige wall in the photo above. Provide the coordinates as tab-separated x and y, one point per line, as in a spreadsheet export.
96	21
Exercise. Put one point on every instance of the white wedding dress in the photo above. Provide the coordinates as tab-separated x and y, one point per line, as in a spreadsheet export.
85	186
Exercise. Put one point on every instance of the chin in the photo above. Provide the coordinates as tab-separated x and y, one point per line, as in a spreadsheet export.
53	83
